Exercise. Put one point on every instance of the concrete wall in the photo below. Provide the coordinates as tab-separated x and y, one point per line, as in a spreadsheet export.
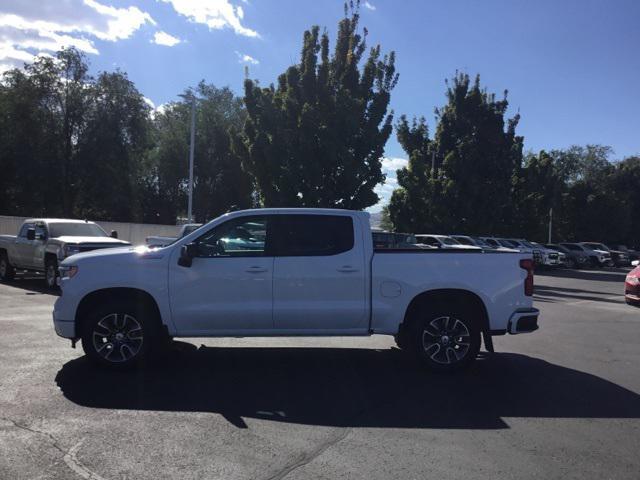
131	232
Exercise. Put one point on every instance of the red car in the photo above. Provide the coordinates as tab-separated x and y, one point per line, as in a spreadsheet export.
632	286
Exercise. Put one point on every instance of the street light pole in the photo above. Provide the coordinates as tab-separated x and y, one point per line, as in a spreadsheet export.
191	152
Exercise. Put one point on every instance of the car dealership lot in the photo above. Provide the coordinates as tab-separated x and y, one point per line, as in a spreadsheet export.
564	401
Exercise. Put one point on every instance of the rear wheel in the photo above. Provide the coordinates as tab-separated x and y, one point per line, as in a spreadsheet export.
446	338
7	272
120	335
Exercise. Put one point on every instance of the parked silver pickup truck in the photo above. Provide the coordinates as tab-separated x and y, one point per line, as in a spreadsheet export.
42	243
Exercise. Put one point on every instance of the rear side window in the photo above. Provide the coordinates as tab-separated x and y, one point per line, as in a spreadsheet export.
312	235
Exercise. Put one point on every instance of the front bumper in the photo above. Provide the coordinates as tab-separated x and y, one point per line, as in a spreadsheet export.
523	321
64	328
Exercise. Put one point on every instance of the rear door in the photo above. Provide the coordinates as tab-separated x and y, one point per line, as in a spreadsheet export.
319	277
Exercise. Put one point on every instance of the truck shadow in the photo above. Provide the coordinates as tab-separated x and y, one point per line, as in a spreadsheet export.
32	285
605	275
348	388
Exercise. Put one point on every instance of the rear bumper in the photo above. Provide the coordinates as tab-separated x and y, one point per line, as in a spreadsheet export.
523	321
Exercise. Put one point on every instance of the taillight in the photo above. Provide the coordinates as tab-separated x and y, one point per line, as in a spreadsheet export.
527	264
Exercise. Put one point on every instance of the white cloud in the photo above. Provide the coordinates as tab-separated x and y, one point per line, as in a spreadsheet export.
216	14
32	27
149	102
369	6
384	190
391	164
244	58
163	38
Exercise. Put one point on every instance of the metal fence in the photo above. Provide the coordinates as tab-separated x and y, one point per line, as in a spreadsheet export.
131	232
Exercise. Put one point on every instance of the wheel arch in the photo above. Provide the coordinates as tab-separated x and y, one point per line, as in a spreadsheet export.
128	294
466	298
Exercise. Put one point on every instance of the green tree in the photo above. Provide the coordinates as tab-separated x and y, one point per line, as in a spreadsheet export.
316	139
463	180
112	150
220	182
43	118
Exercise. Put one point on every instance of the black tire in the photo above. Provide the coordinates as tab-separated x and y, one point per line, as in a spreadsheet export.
445	338
121	335
51	272
7	272
571	263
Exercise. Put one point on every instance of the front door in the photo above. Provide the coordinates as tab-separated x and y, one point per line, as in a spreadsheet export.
319	280
229	286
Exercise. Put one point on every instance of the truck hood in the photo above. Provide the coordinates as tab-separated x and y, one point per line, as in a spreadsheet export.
95	240
115	254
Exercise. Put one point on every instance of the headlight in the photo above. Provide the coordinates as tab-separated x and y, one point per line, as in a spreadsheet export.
71	250
68	271
632	280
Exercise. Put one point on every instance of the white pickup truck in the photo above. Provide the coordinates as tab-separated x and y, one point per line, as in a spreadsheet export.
42	243
293	272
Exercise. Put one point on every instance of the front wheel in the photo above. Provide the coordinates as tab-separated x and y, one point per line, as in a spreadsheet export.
7	272
119	336
446	339
51	272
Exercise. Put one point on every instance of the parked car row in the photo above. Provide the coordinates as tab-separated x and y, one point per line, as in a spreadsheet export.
563	254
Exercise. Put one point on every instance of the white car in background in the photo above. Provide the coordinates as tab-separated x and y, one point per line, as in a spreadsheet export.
443	241
550	257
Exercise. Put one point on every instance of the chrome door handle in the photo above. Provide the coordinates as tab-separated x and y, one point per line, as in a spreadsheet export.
347	269
256	269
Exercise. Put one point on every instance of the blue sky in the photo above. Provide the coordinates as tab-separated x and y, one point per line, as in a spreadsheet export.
572	67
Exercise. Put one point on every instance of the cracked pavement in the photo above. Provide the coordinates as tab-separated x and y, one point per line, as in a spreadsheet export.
562	402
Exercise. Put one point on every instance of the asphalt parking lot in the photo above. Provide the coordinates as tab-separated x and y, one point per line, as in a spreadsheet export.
563	402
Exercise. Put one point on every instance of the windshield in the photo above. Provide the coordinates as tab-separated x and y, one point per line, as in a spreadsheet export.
596	246
449	241
464	241
75	230
189	229
573	247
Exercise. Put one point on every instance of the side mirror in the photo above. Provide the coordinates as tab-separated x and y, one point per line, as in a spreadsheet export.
31	233
635	263
187	253
114	234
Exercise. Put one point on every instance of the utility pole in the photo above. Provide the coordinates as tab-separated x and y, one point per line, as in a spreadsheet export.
191	152
550	223
189	96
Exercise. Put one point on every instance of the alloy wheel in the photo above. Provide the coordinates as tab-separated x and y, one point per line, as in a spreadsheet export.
446	340
118	337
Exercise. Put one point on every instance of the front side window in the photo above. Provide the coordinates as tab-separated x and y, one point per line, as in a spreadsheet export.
239	237
312	235
24	228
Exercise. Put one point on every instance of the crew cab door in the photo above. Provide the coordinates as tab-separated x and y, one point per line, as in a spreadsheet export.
22	247
319	279
229	287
